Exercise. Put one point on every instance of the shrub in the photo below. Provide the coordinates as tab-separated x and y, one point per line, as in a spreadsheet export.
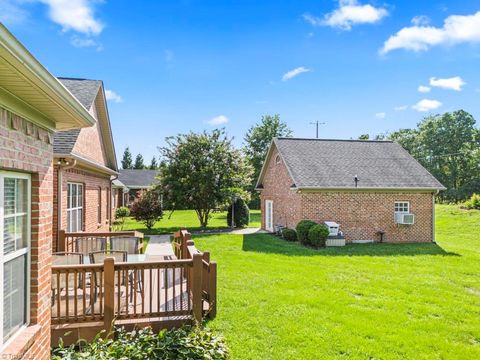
147	208
184	343
302	230
317	235
473	202
289	234
121	213
241	214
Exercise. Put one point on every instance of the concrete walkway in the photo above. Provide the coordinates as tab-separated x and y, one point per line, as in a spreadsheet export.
160	245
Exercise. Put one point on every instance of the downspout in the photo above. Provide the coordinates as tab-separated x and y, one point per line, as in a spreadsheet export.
59	191
115	177
433	216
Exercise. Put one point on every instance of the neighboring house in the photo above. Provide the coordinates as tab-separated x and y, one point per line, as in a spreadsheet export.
365	186
33	104
136	181
84	163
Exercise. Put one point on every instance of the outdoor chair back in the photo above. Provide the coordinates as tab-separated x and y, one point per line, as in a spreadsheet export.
65	258
129	244
88	245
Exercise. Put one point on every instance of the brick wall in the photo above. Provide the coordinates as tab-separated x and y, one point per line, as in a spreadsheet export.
286	202
91	184
28	148
360	214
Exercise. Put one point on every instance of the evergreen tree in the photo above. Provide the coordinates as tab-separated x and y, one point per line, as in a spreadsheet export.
139	162
153	164
127	159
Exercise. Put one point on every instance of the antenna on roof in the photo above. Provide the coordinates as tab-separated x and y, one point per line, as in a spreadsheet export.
317	123
356	179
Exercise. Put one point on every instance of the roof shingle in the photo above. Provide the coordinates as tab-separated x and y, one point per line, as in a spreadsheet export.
317	163
133	178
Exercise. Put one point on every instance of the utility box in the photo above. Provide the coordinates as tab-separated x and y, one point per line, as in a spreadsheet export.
333	228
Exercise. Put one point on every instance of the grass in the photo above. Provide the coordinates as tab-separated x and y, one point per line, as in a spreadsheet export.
279	300
187	219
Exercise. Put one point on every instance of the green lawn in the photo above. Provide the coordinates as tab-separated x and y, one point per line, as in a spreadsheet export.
278	300
188	219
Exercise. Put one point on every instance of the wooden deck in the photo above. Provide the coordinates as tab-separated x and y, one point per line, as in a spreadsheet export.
156	292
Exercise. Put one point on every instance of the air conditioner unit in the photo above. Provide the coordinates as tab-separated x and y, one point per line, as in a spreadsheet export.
332	228
405	219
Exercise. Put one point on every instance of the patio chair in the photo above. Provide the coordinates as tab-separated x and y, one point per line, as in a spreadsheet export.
98	257
129	244
86	245
65	258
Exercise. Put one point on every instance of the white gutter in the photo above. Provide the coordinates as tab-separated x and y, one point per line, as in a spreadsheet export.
88	163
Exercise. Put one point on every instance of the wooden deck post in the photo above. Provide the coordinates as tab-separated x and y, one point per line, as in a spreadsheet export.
212	290
61	241
109	293
196	283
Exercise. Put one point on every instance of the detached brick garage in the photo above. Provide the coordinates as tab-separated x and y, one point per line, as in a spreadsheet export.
367	187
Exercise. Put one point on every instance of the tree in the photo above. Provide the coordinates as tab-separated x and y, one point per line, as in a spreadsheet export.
147	208
241	214
127	159
139	162
203	171
364	137
153	164
448	146
256	143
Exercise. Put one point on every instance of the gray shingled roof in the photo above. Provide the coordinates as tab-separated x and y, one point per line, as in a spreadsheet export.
316	163
83	89
137	178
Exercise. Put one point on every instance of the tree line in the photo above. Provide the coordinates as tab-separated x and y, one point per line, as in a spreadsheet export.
138	164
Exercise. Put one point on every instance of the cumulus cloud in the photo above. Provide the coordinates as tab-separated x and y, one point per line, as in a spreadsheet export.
420	20
295	72
77	15
424	89
113	96
218	120
380	115
349	13
454	83
456	29
426	105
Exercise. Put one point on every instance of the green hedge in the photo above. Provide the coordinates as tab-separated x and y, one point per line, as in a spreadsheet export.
289	234
241	215
182	344
317	235
303	227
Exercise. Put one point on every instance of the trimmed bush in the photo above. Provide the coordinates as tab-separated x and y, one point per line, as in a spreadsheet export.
317	235
289	234
147	208
122	212
184	343
241	214
473	202
303	227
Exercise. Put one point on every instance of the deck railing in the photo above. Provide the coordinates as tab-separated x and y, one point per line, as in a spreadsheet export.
89	298
80	241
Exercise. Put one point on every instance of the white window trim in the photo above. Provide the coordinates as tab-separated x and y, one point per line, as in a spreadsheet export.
401	212
15	254
77	207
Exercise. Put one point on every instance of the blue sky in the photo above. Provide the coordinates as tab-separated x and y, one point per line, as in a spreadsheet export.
173	66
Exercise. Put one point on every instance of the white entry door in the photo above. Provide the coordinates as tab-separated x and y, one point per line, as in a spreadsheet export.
269	215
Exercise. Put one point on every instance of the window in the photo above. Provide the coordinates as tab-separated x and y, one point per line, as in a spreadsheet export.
277	159
402	207
107	204
74	207
14	254
99	212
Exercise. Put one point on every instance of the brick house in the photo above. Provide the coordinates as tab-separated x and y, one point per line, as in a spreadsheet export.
134	181
33	105
84	162
365	186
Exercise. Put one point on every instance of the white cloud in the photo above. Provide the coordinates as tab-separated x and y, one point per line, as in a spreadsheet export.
218	120
88	42
349	13
456	29
400	108
427	105
292	73
77	15
113	96
424	89
453	83
420	20
380	115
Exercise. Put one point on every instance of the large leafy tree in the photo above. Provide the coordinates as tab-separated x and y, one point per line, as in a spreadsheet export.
139	164
127	162
448	145
203	171
256	143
